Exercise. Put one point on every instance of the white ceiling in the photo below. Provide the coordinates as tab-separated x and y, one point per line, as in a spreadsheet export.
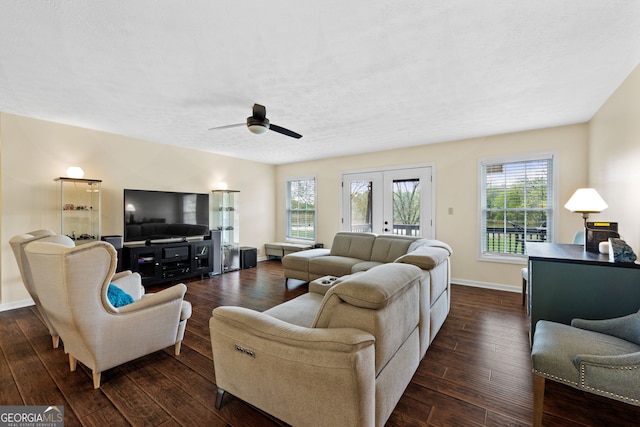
351	76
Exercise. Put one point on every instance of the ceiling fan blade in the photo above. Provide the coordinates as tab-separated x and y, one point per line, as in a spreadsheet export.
284	131
259	112
228	126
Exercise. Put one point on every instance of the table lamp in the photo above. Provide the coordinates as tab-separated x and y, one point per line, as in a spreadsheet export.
586	201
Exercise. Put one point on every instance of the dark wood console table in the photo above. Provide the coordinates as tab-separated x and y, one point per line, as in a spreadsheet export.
566	282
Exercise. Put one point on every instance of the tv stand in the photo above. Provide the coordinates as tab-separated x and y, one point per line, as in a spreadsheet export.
163	262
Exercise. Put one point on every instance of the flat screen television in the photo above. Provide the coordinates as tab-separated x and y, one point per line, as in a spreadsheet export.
159	216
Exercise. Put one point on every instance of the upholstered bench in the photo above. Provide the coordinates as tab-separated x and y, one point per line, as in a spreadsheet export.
280	249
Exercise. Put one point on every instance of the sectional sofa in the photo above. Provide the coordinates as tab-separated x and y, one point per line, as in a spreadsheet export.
339	355
353	253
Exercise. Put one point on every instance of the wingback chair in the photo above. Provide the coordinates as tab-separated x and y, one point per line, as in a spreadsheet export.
71	284
598	356
129	282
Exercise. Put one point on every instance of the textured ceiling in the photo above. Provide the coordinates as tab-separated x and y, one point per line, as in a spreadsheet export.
351	76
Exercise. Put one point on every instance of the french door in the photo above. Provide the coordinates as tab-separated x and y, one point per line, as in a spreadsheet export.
396	201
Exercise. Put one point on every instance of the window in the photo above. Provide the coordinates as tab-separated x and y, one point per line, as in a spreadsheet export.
301	209
516	205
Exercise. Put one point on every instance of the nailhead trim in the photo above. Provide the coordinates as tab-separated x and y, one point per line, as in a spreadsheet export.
604	392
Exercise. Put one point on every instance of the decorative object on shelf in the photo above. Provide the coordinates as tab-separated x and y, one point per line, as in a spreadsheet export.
75	172
599	232
586	201
620	251
225	218
603	248
79	207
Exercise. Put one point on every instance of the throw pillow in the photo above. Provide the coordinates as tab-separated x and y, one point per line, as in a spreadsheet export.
117	297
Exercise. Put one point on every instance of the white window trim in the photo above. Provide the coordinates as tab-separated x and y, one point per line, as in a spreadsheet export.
525	157
286	207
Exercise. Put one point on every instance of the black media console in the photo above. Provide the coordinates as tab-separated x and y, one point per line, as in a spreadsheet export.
165	262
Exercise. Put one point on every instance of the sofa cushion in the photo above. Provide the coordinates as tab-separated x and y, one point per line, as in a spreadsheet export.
387	248
425	257
375	288
419	243
383	301
299	311
353	245
364	266
332	265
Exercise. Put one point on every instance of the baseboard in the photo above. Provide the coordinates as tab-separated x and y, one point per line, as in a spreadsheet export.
494	286
16	304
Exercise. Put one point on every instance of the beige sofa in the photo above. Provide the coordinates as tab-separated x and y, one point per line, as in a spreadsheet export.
357	252
340	355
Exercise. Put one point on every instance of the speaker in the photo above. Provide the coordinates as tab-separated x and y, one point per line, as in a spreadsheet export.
248	257
116	241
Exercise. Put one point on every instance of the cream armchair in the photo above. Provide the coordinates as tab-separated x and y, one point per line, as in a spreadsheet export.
129	282
349	366
71	284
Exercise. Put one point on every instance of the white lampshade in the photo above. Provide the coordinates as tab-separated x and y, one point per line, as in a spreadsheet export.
585	201
130	208
75	172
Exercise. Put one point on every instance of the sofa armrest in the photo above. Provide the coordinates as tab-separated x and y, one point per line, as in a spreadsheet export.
425	257
263	326
611	376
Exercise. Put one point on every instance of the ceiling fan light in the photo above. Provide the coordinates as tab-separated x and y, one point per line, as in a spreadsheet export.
258	128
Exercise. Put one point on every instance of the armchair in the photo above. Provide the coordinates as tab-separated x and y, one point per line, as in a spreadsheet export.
129	282
598	356
71	284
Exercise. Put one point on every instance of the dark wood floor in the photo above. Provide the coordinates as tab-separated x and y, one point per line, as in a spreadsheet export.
476	372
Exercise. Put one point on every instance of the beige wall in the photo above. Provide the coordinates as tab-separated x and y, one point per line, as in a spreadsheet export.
34	152
604	153
614	158
456	186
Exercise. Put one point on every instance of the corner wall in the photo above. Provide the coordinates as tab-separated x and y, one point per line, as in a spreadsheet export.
34	152
614	158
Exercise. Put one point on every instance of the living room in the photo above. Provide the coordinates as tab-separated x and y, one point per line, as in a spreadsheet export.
594	147
35	151
599	149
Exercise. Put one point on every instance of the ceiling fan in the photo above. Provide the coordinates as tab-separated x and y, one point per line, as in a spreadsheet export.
259	124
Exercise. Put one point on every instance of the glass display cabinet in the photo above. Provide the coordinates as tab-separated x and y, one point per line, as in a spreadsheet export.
224	217
79	207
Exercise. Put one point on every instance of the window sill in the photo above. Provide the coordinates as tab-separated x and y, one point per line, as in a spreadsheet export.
504	259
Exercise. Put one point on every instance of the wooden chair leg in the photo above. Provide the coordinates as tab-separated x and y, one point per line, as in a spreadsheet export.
538	400
72	363
177	348
56	340
96	379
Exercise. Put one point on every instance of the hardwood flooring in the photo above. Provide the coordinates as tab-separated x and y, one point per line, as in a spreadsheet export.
477	372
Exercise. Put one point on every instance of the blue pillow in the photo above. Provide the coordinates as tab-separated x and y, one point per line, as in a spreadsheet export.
117	297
